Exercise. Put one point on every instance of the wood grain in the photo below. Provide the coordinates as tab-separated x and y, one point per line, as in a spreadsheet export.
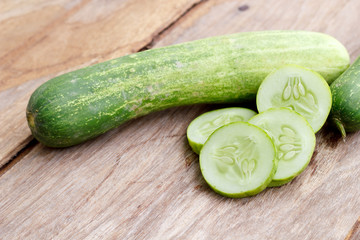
223	17
14	133
142	181
41	37
131	185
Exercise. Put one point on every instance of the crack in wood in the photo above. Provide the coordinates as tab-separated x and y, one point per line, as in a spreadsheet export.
170	25
20	154
355	231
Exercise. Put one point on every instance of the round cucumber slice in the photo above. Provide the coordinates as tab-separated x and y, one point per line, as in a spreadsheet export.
299	89
294	140
238	160
204	125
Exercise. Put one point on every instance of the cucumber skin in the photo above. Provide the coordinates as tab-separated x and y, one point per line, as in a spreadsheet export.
345	112
83	104
279	183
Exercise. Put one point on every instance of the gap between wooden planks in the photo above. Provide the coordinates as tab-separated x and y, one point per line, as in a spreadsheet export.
340	29
354	233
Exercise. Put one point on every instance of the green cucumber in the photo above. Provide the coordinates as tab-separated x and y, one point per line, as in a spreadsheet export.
83	104
299	89
238	160
294	140
345	111
204	125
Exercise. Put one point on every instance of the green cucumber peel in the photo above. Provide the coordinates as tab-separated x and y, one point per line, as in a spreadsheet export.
345	111
275	183
80	105
340	126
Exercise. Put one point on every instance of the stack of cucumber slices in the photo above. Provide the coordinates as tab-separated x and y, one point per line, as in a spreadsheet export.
242	152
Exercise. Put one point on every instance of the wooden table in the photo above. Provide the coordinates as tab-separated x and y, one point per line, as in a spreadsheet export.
141	180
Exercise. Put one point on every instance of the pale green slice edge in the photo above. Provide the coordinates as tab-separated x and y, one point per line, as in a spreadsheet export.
276	183
204	125
299	89
294	140
238	160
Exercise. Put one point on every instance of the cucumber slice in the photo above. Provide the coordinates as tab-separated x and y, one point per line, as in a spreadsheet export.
294	140
238	160
299	89
204	125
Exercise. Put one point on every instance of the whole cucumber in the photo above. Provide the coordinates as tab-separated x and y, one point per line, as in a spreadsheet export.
82	104
345	112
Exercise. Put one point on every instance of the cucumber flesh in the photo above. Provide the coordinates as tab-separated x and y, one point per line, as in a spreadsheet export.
204	125
299	89
238	160
294	139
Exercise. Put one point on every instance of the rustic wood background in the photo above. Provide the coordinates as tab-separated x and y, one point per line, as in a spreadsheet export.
141	180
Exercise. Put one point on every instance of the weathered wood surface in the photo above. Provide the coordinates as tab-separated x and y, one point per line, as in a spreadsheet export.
142	181
41	39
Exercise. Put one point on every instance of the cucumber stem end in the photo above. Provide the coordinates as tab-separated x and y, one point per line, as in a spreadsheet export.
31	120
341	127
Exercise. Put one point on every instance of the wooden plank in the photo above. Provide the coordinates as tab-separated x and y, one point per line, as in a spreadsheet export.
66	39
141	181
218	17
60	165
41	37
14	134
